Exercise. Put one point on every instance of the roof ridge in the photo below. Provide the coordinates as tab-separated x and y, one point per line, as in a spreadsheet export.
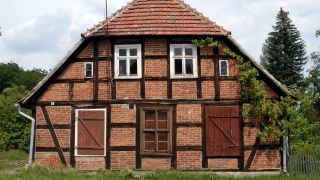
103	23
199	14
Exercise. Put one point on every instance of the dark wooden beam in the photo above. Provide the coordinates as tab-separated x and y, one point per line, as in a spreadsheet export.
216	74
60	126
95	70
203	139
54	136
138	157
72	138
189	148
199	82
142	81
123	148
189	124
174	137
107	160
169	81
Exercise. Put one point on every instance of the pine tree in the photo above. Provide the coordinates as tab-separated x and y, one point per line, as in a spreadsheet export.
283	53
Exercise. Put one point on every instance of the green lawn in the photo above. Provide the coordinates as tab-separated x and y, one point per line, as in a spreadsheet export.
12	167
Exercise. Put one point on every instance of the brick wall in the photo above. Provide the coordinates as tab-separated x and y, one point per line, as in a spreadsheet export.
56	92
121	113
58	115
270	93
189	160
222	164
184	90
233	67
105	69
264	159
230	89
73	71
87	52
44	138
128	90
104	91
206	51
156	89
250	135
104	48
155	68
50	159
155	47
189	136
155	163
208	91
207	67
83	91
90	163
189	113
123	159
123	137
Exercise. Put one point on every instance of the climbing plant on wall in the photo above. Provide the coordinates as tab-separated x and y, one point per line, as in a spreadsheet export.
274	115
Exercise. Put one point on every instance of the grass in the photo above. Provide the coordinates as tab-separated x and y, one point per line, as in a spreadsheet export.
10	169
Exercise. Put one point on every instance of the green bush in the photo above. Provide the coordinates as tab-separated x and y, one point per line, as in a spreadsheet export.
14	129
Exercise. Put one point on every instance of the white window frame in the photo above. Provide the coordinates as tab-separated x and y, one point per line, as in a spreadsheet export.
85	70
138	57
183	57
76	133
220	61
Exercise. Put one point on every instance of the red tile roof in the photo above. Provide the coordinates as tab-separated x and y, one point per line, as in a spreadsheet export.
157	17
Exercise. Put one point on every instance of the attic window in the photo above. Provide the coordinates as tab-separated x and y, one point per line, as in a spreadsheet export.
183	61
128	61
224	67
88	72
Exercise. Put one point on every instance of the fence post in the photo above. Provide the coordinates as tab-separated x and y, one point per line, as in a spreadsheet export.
285	149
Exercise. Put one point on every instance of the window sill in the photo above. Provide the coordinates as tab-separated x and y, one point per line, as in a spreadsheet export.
183	77
128	77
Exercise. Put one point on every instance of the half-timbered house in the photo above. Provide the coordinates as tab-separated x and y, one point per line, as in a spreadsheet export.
135	92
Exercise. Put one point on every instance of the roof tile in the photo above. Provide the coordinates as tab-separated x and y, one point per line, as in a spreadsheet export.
157	17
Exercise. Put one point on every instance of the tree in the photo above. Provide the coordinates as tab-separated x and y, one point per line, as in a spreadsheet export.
14	129
283	53
12	74
9	74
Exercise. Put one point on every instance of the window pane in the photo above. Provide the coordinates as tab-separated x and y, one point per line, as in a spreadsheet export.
150	136
149	141
189	66
177	51
163	146
133	52
88	66
150	117
224	68
162	136
188	51
178	66
88	74
133	67
149	146
122	52
122	67
162	119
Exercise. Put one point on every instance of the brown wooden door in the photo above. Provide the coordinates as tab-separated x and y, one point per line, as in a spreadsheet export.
222	131
91	132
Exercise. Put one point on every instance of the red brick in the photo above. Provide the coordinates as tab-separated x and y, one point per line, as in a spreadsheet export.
56	92
155	163
128	90
90	163
189	136
156	89
189	160
208	91
223	164
189	113
83	91
121	113
123	137
230	89
184	90
123	159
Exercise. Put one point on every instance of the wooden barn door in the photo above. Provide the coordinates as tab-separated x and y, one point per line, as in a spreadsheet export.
90	137
222	131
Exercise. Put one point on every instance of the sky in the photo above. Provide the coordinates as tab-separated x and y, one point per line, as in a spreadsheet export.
37	33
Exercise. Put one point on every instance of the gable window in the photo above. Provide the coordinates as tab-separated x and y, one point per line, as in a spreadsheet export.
183	61
127	61
90	131
156	131
224	67
88	70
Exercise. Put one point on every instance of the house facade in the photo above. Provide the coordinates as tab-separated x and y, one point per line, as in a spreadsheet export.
136	93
